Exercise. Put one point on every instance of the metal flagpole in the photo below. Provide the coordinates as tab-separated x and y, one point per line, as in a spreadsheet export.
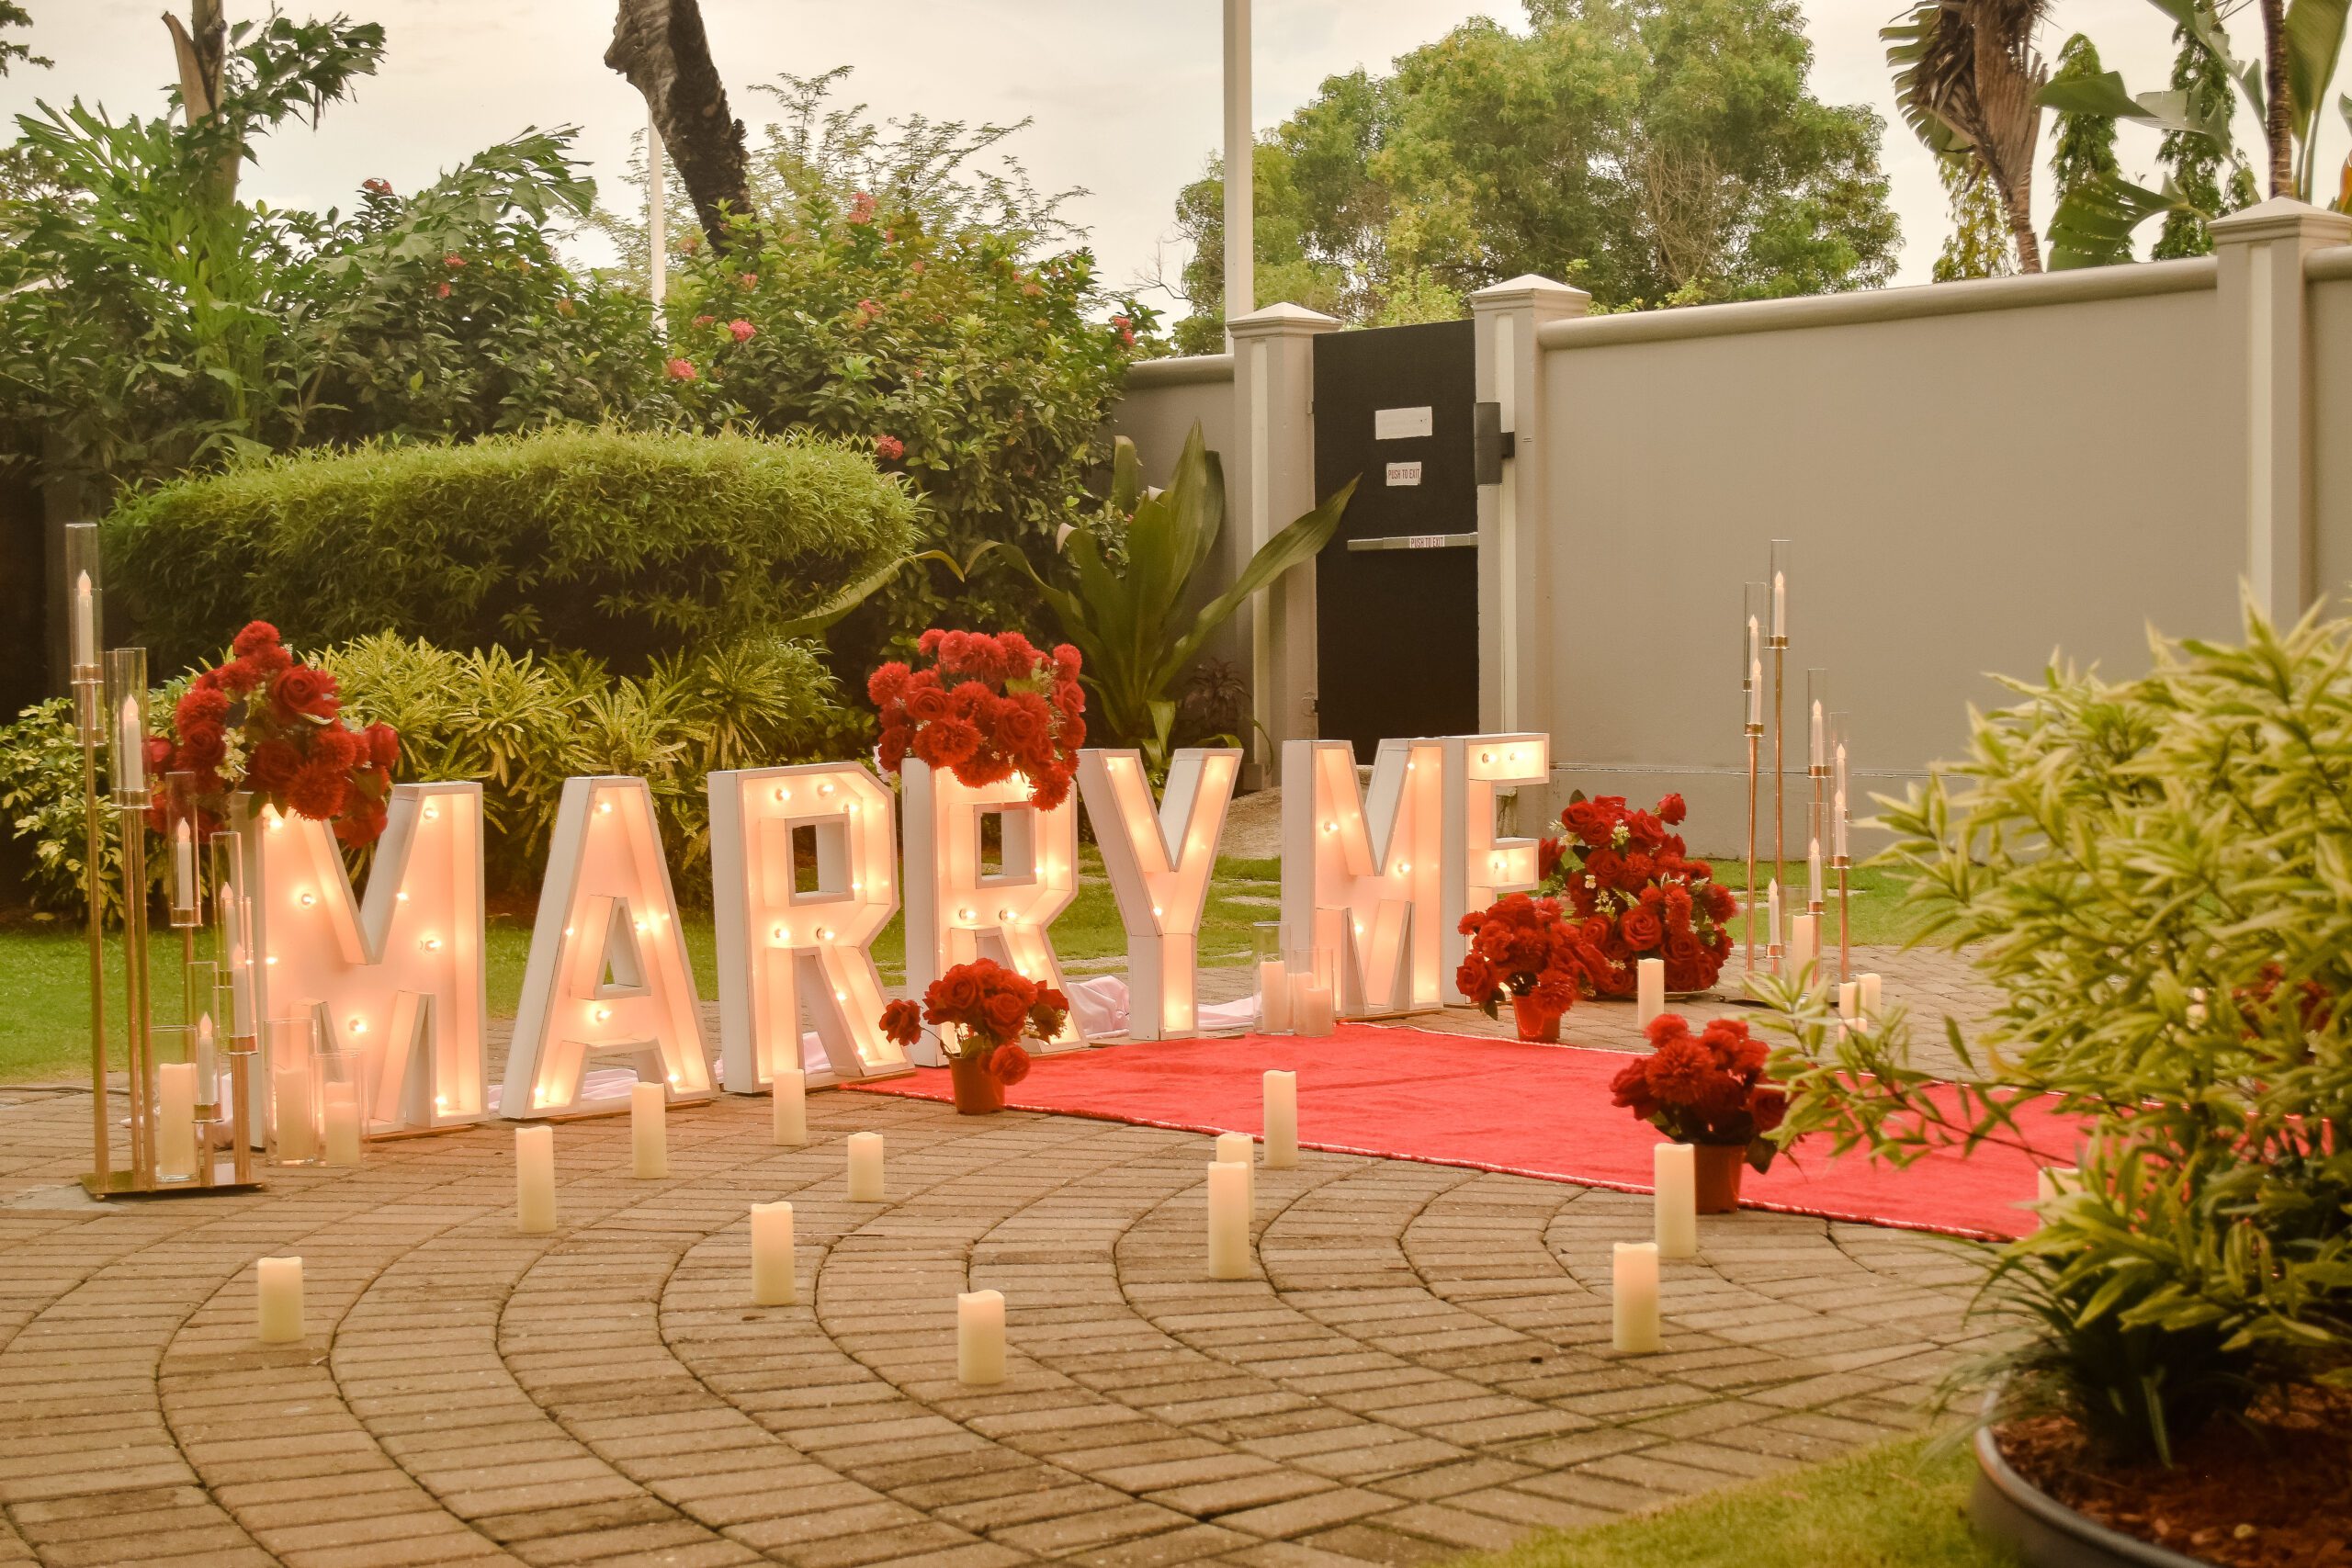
1241	281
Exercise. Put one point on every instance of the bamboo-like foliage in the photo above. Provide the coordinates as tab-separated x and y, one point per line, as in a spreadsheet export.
2157	874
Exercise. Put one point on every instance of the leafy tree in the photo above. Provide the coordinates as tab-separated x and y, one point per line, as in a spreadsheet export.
12	52
2197	162
1643	151
1967	73
2082	141
1978	246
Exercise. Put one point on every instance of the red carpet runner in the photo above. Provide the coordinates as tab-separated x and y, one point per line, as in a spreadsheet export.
1539	1110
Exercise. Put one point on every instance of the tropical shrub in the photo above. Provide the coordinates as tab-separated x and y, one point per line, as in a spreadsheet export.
599	541
519	724
2157	874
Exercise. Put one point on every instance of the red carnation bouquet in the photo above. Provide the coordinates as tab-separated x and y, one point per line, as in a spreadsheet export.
1527	949
268	723
1704	1089
989	707
1637	892
983	1010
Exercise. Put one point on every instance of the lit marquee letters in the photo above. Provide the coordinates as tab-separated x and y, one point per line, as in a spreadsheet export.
1480	867
1362	878
1159	866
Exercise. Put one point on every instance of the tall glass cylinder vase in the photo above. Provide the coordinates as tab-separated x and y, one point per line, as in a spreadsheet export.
183	851
178	1140
289	1047
1269	979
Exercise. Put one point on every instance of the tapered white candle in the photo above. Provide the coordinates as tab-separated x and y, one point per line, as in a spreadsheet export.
1869	995
1633	1308
1817	889
1311	1013
1756	691
176	1120
649	1136
1820	752
1837	827
1675	1172
1780	603
183	865
789	1089
1802	947
1282	1120
1273	996
131	752
866	1168
772	1281
979	1336
534	1179
340	1118
278	1288
1229	1194
1649	988
207	1062
86	623
297	1130
1773	910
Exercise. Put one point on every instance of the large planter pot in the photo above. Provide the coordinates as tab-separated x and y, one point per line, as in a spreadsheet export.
978	1092
1718	1169
1536	1021
2045	1533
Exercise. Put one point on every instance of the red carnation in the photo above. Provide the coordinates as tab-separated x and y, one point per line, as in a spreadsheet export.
256	635
887	684
336	747
317	790
1007	1064
271	766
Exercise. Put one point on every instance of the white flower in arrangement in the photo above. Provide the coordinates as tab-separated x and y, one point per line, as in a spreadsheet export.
1620	835
232	758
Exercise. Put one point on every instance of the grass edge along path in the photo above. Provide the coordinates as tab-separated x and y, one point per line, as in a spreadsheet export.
1897	1505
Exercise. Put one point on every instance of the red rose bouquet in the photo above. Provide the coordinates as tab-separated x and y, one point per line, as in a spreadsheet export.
267	722
989	706
1637	892
1704	1089
982	1010
1527	949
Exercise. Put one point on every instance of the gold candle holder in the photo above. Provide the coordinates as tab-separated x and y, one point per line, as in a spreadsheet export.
1778	640
1758	607
85	591
1840	819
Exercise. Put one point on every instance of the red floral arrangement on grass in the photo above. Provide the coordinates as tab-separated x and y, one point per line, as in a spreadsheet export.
1522	946
1707	1088
1639	894
989	706
268	723
990	1009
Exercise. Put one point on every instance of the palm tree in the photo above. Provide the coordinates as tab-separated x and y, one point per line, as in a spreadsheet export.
1968	81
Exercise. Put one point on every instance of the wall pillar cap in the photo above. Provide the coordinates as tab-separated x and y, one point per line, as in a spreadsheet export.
2282	217
1529	288
1281	321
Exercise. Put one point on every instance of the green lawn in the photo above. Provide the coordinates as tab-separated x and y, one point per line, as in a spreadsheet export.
44	972
1897	1506
1877	901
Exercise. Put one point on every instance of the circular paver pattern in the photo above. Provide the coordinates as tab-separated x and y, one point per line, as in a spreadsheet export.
1421	1365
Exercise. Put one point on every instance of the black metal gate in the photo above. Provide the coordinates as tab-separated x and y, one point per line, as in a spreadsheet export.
1397	589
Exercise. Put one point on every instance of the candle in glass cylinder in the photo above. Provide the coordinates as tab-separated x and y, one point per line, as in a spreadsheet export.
1273	996
534	1179
296	1117
1816	889
1755	694
130	749
1838	825
1311	1011
979	1336
1633	1308
340	1117
86	623
1772	911
649	1134
1674	1170
184	865
1229	1194
1780	604
1282	1120
278	1285
1802	946
788	1088
866	1168
772	1281
1649	982
176	1120
207	1062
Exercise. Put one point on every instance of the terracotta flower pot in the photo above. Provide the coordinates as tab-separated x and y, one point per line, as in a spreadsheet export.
1536	1021
1719	1167
978	1092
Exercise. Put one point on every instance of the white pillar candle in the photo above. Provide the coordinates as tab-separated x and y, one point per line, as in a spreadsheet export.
131	749
979	1336
176	1120
1239	1148
789	1090
1229	1193
1869	995
649	1136
772	1281
1649	981
866	1168
1850	1000
1634	1316
340	1117
1802	946
297	1132
1282	1120
534	1179
1311	1012
1273	996
279	1285
1675	1172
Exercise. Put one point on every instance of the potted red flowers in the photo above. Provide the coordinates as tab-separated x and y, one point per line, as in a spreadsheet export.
983	1010
1638	893
989	706
1527	949
268	723
1706	1089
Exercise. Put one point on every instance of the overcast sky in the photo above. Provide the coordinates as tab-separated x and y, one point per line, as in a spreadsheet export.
1124	93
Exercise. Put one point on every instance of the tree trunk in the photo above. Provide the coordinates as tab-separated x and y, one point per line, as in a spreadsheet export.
201	47
2278	119
660	47
2017	204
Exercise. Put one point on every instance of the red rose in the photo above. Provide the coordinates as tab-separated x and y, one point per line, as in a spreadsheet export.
317	790
271	766
1671	809
303	691
1007	1064
1681	947
1631	1089
1604	866
361	823
1768	1106
1642	930
926	703
902	1021
383	746
203	747
1024	721
1475	978
1006	1012
891	752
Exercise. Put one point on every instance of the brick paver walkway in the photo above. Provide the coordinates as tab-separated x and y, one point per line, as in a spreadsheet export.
1423	1365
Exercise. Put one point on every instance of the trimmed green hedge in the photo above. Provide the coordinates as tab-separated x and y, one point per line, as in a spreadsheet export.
620	545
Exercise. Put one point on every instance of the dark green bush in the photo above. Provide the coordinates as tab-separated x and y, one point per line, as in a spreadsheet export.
623	546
